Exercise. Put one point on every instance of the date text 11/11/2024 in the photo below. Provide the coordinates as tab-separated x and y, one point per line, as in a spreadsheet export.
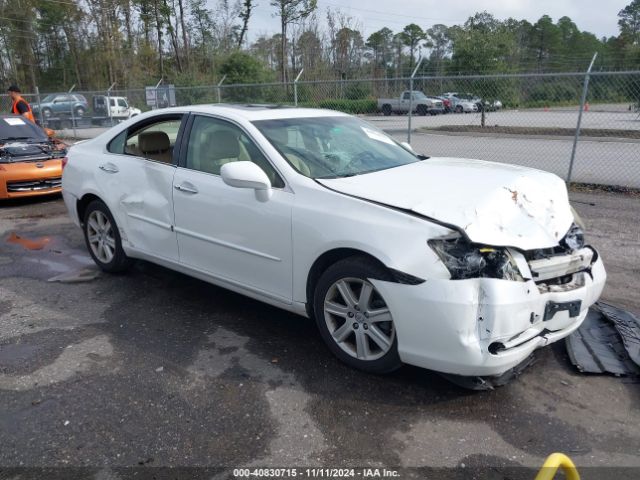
315	472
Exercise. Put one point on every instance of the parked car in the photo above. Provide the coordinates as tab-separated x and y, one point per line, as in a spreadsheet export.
119	106
30	160
64	104
460	104
461	266
420	104
439	105
446	103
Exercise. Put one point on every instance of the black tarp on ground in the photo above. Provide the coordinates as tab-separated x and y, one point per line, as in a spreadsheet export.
608	341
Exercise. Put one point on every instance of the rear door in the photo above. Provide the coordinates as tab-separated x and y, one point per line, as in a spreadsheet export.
137	176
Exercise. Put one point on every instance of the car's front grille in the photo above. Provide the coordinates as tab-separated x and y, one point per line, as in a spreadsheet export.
34	185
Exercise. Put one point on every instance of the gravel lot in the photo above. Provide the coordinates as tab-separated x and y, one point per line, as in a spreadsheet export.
153	369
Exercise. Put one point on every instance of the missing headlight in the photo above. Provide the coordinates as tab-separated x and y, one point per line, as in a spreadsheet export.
574	239
468	260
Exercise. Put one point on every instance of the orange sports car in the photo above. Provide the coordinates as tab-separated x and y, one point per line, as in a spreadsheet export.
30	160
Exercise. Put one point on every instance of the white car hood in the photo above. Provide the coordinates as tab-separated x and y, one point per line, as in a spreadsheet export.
495	204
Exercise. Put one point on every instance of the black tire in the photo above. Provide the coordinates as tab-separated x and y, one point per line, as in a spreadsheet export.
459	109
358	268
46	113
386	110
79	112
422	110
120	262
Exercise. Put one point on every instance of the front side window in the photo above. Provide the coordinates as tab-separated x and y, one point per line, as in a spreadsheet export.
214	142
332	147
122	103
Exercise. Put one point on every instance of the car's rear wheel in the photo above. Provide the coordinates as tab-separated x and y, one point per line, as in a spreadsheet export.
386	110
353	317
459	109
103	239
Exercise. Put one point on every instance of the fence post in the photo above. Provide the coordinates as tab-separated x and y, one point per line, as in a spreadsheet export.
39	106
411	99
585	88
73	120
218	88
295	89
109	104
156	90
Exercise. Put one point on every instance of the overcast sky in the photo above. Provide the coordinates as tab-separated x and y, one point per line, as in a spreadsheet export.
597	16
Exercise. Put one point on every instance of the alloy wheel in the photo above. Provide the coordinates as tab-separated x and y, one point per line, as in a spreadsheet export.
358	319
100	236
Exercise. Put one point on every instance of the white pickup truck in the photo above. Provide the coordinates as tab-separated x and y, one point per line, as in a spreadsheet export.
119	107
420	103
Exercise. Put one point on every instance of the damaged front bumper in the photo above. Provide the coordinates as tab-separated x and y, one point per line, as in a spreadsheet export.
486	326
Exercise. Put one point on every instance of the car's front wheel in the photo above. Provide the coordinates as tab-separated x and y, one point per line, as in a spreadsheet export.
103	239
353	317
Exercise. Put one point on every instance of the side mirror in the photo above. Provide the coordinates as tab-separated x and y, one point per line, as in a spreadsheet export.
246	175
407	146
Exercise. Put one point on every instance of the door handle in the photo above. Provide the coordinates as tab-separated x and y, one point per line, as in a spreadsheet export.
109	168
186	188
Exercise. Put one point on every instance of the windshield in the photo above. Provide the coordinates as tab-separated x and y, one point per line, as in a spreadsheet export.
18	129
332	147
48	99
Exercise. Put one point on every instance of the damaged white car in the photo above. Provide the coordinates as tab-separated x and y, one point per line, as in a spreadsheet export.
460	266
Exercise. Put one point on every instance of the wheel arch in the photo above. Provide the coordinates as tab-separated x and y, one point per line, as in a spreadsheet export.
83	203
334	255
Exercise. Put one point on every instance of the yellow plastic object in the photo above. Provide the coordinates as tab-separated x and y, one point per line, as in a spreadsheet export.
555	461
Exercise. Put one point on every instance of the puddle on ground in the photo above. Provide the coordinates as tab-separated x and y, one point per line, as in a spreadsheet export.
14	355
46	258
29	244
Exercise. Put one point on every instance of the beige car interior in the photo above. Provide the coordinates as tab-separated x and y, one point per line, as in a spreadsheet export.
152	145
280	137
213	145
212	149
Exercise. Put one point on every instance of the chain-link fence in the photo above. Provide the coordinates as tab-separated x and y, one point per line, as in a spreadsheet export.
524	119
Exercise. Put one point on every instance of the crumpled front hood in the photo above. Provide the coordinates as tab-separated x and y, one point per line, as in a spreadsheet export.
495	204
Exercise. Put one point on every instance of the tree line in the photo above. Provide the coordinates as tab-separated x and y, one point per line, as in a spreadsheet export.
95	43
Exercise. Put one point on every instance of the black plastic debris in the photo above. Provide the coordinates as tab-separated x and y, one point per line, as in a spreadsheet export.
628	327
608	341
490	383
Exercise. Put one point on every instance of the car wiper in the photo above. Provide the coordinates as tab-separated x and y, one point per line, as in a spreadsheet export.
14	139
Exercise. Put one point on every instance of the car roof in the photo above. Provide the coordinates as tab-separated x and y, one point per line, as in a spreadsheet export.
253	112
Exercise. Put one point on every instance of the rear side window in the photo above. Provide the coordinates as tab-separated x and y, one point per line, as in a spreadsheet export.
152	139
117	144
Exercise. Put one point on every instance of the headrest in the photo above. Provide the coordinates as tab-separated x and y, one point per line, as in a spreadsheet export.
278	135
222	144
153	142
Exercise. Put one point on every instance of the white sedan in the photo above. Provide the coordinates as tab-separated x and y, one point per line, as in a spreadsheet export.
460	266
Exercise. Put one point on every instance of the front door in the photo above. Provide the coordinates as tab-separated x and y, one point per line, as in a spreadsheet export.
225	231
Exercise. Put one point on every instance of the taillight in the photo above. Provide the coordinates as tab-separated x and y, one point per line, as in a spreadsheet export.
64	162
